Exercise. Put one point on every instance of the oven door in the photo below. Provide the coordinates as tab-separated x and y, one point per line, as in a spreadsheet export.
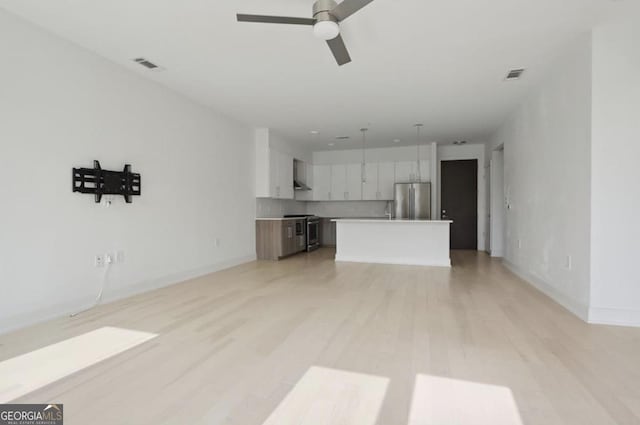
300	228
313	234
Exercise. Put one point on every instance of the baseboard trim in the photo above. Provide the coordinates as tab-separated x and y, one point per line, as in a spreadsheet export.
392	261
73	306
614	317
578	309
175	278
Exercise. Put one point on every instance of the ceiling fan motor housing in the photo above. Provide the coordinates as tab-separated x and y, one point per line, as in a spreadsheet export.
321	10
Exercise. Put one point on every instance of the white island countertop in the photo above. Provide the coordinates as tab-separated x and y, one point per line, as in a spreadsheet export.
278	218
386	220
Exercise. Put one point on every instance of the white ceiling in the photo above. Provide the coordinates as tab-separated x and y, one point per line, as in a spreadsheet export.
438	62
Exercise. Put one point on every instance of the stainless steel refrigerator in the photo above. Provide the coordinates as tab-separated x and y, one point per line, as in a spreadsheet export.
413	201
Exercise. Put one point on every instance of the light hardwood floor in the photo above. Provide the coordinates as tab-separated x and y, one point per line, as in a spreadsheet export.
231	345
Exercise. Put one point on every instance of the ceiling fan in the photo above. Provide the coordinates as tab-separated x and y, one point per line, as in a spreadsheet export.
327	15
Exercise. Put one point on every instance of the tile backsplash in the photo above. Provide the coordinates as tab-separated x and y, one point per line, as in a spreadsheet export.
269	208
361	209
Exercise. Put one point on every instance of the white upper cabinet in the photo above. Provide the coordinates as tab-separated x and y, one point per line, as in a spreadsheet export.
354	182
285	176
274	182
370	190
343	182
280	175
386	180
274	169
338	182
380	178
321	182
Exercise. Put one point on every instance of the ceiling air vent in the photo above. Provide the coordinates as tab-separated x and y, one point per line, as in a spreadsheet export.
147	64
342	137
515	74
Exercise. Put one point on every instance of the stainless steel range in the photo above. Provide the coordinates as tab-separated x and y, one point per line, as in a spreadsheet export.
312	230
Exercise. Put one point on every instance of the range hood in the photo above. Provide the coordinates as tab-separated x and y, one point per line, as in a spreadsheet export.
299	185
298	182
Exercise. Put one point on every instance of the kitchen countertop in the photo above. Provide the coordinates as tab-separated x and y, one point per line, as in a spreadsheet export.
326	218
386	220
382	217
278	218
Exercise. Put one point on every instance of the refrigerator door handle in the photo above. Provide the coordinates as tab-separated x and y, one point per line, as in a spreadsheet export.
412	203
415	205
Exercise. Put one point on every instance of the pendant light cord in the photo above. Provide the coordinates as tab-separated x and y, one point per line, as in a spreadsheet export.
364	137
418	127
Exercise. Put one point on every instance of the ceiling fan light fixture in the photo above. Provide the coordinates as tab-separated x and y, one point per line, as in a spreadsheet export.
326	30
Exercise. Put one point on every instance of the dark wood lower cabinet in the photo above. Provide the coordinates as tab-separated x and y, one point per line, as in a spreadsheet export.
276	239
327	232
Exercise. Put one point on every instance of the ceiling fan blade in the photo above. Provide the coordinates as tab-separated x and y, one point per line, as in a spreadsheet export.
274	19
339	50
348	8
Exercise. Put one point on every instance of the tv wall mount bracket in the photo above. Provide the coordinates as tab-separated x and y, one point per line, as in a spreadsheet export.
99	182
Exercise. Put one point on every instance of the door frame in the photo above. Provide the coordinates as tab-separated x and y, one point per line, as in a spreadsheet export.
454	153
497	204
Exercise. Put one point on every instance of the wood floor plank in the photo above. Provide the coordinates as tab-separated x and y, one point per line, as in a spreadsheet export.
233	344
331	397
33	370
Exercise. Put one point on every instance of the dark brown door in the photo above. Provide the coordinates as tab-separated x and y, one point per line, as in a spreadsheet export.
459	198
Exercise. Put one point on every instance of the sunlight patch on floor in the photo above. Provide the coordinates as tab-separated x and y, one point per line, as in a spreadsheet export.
331	397
28	372
438	401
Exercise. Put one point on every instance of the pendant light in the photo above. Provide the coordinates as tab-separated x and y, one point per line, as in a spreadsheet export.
364	140
418	128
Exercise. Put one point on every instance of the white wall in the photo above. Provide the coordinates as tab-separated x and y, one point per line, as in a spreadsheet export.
62	106
547	180
296	150
615	199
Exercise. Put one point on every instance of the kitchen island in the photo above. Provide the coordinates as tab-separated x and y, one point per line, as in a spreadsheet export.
409	242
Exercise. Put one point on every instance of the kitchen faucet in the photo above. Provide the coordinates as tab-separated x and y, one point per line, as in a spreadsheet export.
387	211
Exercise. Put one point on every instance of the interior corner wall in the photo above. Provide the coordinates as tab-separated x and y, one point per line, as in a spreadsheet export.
615	199
547	149
62	107
297	150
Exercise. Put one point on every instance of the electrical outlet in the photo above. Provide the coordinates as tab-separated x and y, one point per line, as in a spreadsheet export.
120	256
99	260
109	258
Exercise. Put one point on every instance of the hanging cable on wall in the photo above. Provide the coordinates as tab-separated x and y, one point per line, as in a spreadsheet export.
103	283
